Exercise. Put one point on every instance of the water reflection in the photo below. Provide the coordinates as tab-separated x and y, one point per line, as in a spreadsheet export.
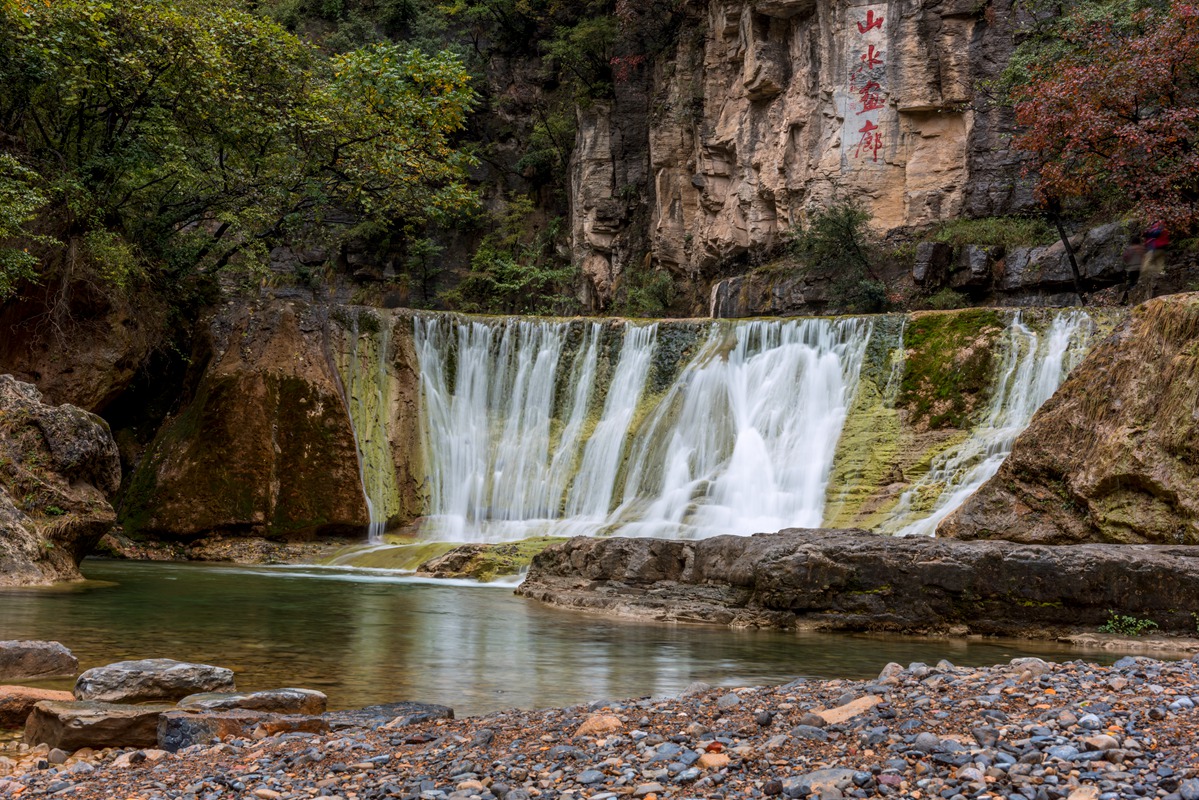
365	638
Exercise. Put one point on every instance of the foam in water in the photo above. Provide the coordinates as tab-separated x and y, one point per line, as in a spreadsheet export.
1032	368
742	441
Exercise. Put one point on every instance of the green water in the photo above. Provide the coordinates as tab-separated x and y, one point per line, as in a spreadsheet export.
367	638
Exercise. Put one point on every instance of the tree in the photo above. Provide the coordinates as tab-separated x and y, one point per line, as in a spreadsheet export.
203	135
1111	112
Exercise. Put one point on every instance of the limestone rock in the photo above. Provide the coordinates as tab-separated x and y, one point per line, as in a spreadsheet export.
23	659
182	728
599	725
74	725
854	580
1114	455
278	701
58	468
151	679
854	708
16	703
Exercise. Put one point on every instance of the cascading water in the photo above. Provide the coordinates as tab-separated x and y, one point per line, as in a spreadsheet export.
1031	370
741	441
367	383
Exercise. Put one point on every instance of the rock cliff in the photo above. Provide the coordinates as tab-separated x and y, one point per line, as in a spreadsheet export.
767	108
266	446
1114	455
58	468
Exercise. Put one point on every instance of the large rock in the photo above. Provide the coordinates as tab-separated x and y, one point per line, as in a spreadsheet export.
74	725
16	703
1114	455
183	728
151	679
266	446
23	660
854	580
58	468
278	701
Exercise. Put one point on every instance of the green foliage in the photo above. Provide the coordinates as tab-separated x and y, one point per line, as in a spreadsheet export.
946	299
1124	625
198	135
645	292
836	242
20	201
515	273
996	231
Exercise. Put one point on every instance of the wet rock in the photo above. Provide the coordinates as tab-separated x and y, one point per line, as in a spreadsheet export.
16	703
75	725
178	729
820	782
278	701
151	679
22	660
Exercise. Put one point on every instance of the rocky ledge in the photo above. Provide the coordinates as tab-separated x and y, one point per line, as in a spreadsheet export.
851	580
1023	731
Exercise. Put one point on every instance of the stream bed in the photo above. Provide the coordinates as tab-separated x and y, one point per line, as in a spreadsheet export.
366	637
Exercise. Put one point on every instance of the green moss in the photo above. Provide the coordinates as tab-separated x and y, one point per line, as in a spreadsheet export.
488	562
996	231
948	369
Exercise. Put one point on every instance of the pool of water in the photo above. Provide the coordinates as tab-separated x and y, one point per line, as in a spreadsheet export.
365	638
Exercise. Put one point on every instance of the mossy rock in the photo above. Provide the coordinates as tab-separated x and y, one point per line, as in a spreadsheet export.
399	557
948	369
486	562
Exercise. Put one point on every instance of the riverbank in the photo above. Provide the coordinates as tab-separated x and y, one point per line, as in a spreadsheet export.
1027	729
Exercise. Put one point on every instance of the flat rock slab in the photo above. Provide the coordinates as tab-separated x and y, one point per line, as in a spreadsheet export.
277	701
17	702
182	728
24	660
151	679
856	580
392	715
74	725
854	708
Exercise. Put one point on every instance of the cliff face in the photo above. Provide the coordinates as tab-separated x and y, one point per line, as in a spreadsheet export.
1114	455
769	108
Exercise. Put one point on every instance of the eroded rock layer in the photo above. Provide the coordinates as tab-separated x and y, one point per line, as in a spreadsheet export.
855	580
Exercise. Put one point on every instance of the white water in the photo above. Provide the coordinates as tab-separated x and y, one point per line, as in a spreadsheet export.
742	440
1032	368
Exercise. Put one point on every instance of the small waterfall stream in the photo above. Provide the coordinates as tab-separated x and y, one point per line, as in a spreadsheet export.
683	430
1032	368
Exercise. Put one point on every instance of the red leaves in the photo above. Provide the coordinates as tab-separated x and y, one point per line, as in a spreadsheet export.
1121	113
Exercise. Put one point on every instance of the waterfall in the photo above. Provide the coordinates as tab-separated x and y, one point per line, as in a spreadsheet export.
363	367
519	443
1029	373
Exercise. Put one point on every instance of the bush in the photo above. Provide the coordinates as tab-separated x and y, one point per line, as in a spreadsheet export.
1127	625
837	243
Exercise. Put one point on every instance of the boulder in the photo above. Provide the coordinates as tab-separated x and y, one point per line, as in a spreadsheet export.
74	725
59	466
23	660
861	581
278	701
392	715
932	261
16	703
151	679
182	728
1113	456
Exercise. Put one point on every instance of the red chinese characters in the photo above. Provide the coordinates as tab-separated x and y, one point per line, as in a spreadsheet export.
867	94
870	143
871	21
